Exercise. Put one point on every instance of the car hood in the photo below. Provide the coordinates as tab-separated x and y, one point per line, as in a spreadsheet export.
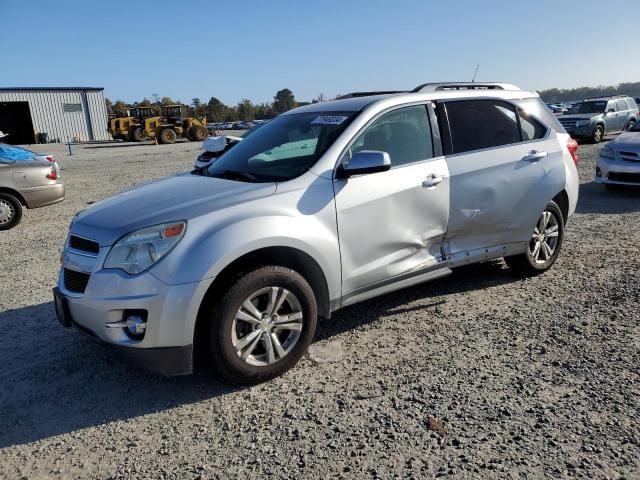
629	140
578	116
180	197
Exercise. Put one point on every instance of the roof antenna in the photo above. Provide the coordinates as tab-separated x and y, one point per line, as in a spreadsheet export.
476	73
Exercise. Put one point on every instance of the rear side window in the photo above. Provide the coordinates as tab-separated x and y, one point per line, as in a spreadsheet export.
536	108
532	129
405	134
632	104
479	124
622	105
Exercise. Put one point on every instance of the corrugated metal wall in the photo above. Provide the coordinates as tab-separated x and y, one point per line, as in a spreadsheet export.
48	113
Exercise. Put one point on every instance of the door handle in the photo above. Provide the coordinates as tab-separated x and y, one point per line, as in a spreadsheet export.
534	156
432	180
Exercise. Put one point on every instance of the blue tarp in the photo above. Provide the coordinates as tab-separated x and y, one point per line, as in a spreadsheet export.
14	153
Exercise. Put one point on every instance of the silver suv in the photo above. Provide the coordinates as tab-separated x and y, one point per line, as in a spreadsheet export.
327	205
594	118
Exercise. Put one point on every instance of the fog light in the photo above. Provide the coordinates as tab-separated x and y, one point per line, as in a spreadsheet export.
134	324
598	172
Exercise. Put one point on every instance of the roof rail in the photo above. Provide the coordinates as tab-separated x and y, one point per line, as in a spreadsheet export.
369	94
434	87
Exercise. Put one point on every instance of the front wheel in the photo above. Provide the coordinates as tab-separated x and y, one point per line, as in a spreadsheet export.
262	326
544	246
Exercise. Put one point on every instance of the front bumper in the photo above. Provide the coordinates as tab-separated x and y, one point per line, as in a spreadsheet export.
172	310
580	132
617	171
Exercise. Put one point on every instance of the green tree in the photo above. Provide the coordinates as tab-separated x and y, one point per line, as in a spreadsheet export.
109	104
198	109
246	110
120	108
284	101
216	110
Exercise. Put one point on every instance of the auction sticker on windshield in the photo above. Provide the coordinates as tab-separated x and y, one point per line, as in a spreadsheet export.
328	120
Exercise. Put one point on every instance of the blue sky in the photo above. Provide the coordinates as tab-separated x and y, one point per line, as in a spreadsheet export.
251	48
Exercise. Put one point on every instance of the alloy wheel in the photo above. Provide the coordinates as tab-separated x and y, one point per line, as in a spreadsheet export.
544	239
267	326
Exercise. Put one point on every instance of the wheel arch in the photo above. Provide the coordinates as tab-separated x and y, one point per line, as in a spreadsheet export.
562	199
14	193
283	256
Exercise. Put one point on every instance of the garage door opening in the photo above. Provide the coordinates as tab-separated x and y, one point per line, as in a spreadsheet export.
15	119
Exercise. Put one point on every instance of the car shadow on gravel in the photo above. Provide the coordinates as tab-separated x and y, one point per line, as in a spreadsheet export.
595	198
55	381
430	295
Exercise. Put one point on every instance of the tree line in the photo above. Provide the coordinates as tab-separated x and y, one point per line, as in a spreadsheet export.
215	110
554	95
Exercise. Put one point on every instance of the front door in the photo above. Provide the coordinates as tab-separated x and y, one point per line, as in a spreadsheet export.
392	223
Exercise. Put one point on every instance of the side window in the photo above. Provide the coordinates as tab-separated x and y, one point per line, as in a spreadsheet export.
611	106
622	105
478	124
532	129
405	134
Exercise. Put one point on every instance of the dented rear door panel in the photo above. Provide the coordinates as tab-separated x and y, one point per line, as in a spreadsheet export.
497	195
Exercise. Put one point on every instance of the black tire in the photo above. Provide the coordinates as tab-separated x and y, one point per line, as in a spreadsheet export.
598	134
226	360
167	136
10	211
135	134
525	264
198	133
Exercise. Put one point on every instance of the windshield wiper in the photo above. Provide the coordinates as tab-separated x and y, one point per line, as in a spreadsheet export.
235	175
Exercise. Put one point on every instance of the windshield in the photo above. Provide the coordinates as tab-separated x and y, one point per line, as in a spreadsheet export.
587	107
284	148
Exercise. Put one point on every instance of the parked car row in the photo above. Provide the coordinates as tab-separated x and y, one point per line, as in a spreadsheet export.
27	179
242	125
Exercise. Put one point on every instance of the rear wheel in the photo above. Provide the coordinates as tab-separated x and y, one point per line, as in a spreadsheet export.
199	133
598	133
10	211
544	246
168	135
262	326
629	125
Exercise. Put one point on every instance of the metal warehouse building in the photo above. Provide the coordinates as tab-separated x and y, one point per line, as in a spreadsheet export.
62	113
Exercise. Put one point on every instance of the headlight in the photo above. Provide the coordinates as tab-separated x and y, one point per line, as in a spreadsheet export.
606	152
137	251
582	123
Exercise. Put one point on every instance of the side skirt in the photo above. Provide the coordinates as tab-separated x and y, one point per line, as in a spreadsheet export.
395	283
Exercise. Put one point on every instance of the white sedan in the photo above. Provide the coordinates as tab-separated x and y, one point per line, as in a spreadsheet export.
618	163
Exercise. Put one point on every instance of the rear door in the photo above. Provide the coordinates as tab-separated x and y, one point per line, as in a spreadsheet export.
504	167
392	223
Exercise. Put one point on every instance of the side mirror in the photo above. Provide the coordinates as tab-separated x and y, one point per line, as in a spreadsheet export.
365	161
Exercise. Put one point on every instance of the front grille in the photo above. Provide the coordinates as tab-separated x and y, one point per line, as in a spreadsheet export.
624	177
629	156
75	282
568	122
84	245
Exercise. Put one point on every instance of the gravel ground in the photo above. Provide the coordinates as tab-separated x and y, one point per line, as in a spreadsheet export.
480	374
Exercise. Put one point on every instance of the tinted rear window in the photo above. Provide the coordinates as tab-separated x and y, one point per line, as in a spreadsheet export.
535	107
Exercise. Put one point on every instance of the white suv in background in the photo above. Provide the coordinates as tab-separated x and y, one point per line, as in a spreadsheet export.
327	205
